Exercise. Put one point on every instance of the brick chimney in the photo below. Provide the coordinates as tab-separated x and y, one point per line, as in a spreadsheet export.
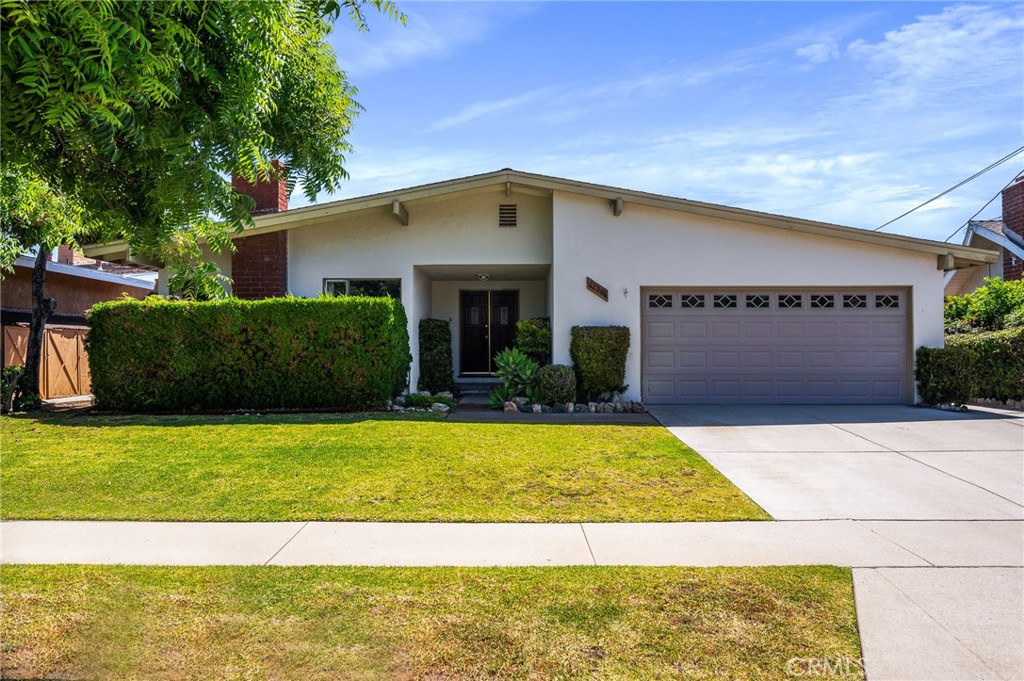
1013	220
259	265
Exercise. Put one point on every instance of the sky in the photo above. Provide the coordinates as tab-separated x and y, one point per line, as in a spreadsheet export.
845	112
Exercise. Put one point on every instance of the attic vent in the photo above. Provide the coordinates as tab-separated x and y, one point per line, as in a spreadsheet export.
507	215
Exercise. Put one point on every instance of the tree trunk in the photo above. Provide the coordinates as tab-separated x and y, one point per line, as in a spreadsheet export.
42	308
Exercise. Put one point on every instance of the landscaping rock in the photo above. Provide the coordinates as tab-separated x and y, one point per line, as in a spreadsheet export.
545	409
425	393
580	409
526	409
619	408
440	408
510	407
445	393
520	401
592	406
535	408
400	400
570	407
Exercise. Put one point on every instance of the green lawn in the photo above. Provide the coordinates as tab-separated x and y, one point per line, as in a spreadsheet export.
425	623
353	467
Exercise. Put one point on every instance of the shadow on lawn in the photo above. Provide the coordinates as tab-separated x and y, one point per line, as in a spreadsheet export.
92	419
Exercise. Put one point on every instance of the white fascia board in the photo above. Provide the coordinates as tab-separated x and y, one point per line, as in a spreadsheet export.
84	273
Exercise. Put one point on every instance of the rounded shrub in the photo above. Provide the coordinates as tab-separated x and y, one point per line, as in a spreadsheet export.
557	383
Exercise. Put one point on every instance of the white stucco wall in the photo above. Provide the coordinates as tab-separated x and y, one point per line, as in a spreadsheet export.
460	231
652	247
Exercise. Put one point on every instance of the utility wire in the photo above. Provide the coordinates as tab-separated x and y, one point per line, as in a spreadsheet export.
982	208
976	175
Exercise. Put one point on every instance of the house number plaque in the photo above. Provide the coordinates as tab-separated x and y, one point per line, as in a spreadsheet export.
598	290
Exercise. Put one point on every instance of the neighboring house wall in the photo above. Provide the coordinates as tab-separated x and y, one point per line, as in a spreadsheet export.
74	294
652	247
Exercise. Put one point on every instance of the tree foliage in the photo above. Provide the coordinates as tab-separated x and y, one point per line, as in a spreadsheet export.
125	120
997	305
133	115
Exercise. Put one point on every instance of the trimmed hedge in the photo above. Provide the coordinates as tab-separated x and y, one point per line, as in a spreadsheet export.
533	336
599	355
435	355
973	366
160	355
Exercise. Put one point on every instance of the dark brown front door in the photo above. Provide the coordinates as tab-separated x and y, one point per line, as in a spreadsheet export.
488	326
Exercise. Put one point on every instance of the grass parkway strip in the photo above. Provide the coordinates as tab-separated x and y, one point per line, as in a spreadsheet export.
426	623
359	467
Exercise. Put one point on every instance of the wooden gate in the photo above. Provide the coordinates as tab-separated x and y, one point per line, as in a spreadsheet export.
65	370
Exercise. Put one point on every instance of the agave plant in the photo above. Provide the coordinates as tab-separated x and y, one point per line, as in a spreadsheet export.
499	396
516	369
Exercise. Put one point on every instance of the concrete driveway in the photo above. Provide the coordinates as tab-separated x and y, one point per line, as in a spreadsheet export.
863	462
917	478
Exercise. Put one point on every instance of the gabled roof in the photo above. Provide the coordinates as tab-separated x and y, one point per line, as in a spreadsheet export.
960	256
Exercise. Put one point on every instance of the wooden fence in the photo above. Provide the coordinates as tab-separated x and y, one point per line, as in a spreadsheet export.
65	370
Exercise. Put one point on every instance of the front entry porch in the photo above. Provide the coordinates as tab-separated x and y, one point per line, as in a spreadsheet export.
482	304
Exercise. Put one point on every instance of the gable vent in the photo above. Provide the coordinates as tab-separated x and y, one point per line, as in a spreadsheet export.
508	215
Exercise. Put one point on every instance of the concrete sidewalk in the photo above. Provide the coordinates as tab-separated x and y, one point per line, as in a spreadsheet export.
833	542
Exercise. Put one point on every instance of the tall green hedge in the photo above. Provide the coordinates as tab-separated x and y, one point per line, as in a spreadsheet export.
159	355
599	356
435	355
973	366
533	337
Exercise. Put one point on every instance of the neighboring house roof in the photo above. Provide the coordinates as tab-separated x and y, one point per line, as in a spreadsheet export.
121	270
994	232
89	273
961	256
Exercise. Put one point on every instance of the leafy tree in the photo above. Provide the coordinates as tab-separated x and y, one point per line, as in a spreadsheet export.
125	120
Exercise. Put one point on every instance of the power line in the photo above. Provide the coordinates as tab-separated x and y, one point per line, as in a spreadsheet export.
982	208
976	175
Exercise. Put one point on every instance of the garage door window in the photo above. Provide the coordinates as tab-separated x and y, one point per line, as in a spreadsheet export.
691	301
887	301
759	301
821	301
725	300
790	301
856	301
659	301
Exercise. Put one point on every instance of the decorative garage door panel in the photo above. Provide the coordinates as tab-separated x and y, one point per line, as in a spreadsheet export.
844	346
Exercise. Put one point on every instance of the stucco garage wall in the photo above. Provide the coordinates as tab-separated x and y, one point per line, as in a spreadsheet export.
653	247
533	301
372	244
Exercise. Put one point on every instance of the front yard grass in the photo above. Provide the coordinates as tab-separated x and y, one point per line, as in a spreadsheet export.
353	467
426	623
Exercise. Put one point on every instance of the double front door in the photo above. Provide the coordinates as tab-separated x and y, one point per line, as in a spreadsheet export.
488	326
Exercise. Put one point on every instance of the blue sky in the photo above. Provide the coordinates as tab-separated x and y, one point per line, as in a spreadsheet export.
844	112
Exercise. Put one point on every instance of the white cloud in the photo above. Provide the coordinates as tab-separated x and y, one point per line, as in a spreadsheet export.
388	45
964	46
819	52
490	108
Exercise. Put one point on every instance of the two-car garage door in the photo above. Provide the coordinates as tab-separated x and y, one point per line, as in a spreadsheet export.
774	346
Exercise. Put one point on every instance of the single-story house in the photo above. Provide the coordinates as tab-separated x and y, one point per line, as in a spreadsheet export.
76	283
1004	235
723	305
